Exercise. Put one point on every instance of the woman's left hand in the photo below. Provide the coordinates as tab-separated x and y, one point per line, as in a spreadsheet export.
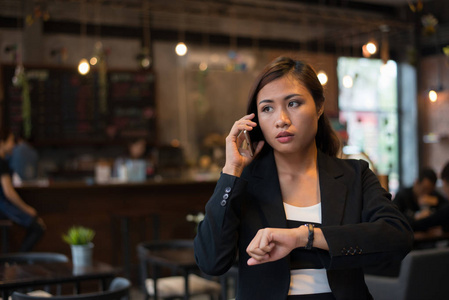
271	244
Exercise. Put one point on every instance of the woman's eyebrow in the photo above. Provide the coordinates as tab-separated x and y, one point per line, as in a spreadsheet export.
266	101
291	96
285	98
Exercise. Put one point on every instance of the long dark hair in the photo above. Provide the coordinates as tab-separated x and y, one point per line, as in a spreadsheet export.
326	140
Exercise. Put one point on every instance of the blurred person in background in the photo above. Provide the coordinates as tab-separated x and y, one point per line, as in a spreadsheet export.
441	217
136	164
421	199
24	159
12	206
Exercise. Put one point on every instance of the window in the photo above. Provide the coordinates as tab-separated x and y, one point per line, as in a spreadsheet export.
368	106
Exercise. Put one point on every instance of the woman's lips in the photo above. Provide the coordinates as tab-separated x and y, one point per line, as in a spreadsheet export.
284	137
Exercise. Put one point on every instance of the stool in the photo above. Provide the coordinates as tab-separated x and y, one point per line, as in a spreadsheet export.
124	218
5	225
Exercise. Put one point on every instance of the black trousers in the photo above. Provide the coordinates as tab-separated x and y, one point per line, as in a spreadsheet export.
34	233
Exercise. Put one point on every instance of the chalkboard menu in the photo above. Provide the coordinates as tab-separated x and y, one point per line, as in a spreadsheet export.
67	107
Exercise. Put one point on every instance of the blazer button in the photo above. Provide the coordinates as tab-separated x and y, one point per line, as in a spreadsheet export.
225	196
228	189
223	202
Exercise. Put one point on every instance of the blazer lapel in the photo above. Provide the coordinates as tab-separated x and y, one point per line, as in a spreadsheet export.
333	191
268	191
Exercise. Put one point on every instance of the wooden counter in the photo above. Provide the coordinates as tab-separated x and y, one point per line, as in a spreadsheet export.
62	205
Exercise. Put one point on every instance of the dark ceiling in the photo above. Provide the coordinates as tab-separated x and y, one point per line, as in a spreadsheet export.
326	25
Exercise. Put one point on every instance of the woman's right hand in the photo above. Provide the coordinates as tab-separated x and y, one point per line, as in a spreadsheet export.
238	158
31	211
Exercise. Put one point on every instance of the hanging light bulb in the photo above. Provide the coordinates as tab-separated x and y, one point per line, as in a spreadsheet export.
145	62
371	48
322	77
181	49
203	66
83	67
433	96
93	61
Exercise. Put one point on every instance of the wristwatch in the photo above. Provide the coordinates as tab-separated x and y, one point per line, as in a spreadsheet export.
311	228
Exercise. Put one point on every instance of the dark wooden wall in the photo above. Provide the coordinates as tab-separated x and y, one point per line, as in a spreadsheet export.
62	205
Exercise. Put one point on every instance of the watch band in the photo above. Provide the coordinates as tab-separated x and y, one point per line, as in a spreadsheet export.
311	228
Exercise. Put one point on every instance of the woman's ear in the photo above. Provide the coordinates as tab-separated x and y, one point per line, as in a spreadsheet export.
320	111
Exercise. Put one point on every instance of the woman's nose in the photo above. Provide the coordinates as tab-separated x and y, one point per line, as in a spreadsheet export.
283	120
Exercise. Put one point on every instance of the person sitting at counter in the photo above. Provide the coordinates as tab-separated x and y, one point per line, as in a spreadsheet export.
136	165
24	159
11	204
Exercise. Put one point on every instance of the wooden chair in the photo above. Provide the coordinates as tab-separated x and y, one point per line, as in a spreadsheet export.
118	290
177	256
424	274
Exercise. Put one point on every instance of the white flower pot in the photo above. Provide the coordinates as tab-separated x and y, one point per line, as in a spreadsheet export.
82	255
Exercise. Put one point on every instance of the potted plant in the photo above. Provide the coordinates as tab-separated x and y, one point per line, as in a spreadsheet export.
80	240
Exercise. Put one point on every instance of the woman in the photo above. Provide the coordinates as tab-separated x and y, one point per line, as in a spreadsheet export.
11	205
261	203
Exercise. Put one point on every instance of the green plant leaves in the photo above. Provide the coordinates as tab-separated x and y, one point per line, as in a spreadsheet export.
78	235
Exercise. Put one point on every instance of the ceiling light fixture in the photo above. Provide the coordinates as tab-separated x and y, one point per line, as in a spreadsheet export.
181	49
433	96
83	66
322	77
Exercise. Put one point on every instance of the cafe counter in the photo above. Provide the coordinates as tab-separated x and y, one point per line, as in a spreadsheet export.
101	206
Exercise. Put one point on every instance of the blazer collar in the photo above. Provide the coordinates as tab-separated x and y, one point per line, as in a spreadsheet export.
267	188
333	190
268	191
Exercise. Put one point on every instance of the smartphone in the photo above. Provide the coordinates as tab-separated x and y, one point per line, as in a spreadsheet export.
249	145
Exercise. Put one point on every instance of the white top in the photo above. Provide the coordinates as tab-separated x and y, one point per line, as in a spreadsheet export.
307	281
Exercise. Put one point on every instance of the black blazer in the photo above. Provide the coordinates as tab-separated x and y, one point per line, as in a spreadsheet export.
359	222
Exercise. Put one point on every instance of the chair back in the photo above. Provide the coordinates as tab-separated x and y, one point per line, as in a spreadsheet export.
425	274
177	256
32	257
118	290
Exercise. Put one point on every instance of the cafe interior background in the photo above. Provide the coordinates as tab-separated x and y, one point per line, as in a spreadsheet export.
183	104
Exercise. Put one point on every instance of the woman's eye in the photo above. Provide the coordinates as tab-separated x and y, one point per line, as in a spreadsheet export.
267	109
293	104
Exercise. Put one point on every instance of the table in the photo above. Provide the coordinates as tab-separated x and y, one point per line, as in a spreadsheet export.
124	218
430	238
16	276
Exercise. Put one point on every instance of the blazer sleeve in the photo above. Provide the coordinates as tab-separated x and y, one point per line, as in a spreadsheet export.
216	241
381	233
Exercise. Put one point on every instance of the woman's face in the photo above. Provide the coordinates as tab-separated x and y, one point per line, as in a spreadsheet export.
287	115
